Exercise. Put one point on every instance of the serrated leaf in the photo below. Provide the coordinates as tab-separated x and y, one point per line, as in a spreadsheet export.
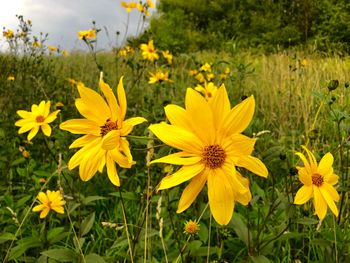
87	224
61	254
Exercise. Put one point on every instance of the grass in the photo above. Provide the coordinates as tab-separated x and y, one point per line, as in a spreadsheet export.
288	93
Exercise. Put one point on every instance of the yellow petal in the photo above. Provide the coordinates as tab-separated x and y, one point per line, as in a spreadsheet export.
24	114
183	174
129	124
121	99
328	197
112	171
42	197
177	116
304	177
220	105
239	145
89	113
81	126
76	159
41	109
111	140
239	117
229	171
27	127
320	203
44	212
52	116
125	149
201	116
110	97
90	163
331	178
177	137
331	191
120	158
180	158
325	165
38	208
32	133
252	164
58	209
25	122
244	198
191	191
306	163
312	159
82	141
221	198
47	109
46	129
303	195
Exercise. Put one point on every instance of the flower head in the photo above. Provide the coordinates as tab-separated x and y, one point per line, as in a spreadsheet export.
36	44
88	34
168	56
149	52
143	9
191	227
208	135
105	129
11	78
38	117
128	6
205	67
125	51
318	183
8	34
209	90
159	76
52	200
150	3
52	49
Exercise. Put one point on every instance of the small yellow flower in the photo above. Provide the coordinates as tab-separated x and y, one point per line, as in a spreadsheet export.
42	180
8	34
38	117
65	53
149	52
125	51
150	3
200	77
11	78
168	56
191	227
52	200
128	6
318	183
104	129
209	90
25	154
210	76
193	72
88	34
52	49
36	44
304	62
206	67
227	71
143	9
159	76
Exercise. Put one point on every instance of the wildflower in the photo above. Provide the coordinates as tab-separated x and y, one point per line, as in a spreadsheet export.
42	180
208	133
59	105
200	77
159	76
143	9
26	154
11	78
149	52
150	3
38	117
8	34
52	200
191	227
128	6
168	56
193	72
206	67
304	62
88	34
125	51
209	90
65	53
318	183
52	49
105	130
36	44
210	76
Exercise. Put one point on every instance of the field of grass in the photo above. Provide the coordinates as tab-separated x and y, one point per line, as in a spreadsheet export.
300	100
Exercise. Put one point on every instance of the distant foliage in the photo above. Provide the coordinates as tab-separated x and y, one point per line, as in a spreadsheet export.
204	24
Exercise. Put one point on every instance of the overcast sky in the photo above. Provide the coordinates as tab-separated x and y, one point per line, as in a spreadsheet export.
63	18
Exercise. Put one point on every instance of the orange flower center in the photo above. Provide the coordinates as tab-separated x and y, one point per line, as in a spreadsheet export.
40	118
213	156
109	125
317	179
191	227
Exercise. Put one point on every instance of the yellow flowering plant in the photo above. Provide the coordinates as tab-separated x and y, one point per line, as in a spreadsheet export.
149	52
51	200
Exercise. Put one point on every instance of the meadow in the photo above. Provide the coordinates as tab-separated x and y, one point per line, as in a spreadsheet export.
301	98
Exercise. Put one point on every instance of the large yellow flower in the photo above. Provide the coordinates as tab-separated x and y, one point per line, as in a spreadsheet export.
38	117
208	133
52	200
105	129
149	52
318	183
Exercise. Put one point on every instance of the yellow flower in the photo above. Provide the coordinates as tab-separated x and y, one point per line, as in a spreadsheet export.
125	51
149	52
105	129
88	34
52	48
150	4
59	105
8	34
65	53
191	227
210	76
38	117
26	154
52	200
206	67
208	135
200	77
143	9
168	56
128	6
318	183
209	90
11	78
193	72
159	76
304	62
36	44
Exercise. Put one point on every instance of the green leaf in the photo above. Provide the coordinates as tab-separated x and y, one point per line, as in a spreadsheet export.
87	224
42	173
259	259
6	237
23	246
307	221
240	228
94	258
18	161
61	254
93	198
52	233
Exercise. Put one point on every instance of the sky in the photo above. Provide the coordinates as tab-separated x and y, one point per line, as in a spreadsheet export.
62	19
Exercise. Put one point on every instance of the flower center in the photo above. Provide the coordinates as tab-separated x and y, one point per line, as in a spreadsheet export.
317	179
213	156
40	118
109	125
